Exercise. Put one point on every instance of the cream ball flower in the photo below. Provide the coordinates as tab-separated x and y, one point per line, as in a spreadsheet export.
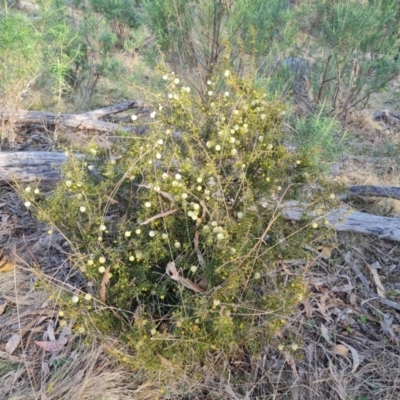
75	299
134	117
102	260
227	73
153	114
102	269
193	268
177	245
28	189
147	204
27	204
152	233
210	93
176	81
128	233
88	297
82	209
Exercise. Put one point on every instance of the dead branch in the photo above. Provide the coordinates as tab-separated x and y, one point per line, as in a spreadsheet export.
88	120
347	220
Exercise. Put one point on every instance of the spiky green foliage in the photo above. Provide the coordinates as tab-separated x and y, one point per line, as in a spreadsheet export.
186	225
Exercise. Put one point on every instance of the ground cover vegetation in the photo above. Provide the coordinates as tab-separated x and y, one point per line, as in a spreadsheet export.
176	234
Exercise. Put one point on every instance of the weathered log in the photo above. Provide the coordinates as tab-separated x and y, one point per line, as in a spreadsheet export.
375	191
386	116
347	220
88	120
30	166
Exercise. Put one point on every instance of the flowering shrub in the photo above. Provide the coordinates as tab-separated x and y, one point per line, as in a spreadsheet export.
182	227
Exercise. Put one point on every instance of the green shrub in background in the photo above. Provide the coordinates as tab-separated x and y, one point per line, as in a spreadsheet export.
101	28
181	230
195	35
34	50
350	46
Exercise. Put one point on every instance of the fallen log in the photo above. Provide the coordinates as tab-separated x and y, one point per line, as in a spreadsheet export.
87	120
375	191
347	220
29	166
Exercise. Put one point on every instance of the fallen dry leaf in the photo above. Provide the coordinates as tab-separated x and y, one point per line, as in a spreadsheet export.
104	283
13	343
160	215
58	345
339	349
45	369
325	334
355	355
379	287
291	361
3	307
165	361
7	260
173	274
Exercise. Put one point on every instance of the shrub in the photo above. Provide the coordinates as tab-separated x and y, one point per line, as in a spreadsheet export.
183	228
33	50
352	45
